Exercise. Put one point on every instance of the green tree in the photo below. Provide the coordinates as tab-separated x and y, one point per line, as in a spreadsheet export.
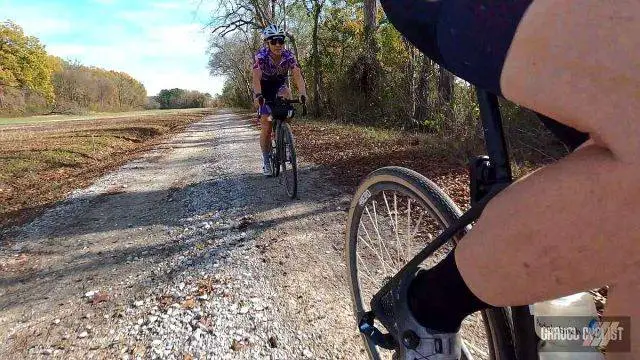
182	99
24	63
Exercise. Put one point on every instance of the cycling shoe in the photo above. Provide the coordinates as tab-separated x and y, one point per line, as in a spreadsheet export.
412	340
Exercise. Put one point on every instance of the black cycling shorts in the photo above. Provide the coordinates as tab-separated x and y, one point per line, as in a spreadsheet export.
270	88
470	38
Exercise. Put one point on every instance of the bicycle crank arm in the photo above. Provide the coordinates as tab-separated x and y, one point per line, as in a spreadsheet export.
365	325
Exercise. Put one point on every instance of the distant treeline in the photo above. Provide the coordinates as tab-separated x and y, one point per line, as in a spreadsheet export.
180	99
34	82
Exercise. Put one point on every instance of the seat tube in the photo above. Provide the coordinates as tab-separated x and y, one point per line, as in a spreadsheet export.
494	136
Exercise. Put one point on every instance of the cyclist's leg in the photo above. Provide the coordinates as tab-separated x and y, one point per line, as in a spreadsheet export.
265	143
623	301
265	133
269	92
567	222
588	200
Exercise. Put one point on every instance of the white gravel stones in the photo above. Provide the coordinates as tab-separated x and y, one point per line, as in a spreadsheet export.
219	305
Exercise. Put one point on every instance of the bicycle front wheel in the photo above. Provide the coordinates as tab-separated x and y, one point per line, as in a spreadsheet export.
275	151
289	161
395	213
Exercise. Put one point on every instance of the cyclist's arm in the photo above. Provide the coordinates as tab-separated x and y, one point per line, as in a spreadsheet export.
257	75
299	80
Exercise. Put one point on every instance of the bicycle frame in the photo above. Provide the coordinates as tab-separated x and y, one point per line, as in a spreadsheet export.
497	162
489	175
278	119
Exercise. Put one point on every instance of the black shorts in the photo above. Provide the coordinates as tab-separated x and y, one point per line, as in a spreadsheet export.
271	88
470	38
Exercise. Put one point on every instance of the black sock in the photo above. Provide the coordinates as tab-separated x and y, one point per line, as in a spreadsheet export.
440	299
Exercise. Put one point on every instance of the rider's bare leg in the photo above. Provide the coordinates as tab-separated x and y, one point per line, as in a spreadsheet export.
567	227
623	301
572	225
265	123
265	133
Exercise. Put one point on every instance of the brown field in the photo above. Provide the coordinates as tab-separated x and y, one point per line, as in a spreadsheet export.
42	163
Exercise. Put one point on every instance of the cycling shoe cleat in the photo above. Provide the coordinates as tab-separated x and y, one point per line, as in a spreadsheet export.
413	341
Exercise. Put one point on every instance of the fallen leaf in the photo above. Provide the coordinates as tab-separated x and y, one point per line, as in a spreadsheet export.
205	286
165	301
189	304
100	296
237	345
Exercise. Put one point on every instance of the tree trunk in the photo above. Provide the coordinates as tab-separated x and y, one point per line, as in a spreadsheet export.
370	77
294	45
370	26
410	69
315	59
273	11
422	91
445	86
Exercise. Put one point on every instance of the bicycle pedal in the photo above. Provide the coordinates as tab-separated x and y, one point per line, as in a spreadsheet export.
380	339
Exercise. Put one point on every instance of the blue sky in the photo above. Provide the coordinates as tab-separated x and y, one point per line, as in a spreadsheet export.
159	42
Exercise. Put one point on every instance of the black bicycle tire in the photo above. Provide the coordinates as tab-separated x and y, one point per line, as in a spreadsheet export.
497	321
287	135
525	338
275	159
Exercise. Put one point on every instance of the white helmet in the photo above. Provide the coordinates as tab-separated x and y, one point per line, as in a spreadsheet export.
271	31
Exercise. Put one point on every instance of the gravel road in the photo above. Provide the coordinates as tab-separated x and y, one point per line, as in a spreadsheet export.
185	253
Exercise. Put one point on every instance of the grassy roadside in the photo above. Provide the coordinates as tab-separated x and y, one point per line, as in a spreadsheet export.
350	152
42	163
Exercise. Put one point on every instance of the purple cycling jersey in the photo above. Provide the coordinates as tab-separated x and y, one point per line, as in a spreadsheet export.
272	71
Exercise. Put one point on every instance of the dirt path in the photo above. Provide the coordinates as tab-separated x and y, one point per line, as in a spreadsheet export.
188	252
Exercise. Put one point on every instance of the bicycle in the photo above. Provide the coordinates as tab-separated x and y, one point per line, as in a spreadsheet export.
283	150
433	226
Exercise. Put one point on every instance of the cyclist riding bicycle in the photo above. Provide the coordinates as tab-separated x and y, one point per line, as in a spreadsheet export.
568	227
270	72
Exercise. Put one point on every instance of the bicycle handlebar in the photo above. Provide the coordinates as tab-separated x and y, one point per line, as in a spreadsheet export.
286	101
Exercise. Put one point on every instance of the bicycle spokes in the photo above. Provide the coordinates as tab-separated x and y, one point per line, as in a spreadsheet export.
392	229
393	225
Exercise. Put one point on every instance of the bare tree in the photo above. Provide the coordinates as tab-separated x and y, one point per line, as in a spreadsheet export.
232	57
240	15
445	86
422	90
370	26
314	7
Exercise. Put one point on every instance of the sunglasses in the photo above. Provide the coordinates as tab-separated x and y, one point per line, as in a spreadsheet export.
278	40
